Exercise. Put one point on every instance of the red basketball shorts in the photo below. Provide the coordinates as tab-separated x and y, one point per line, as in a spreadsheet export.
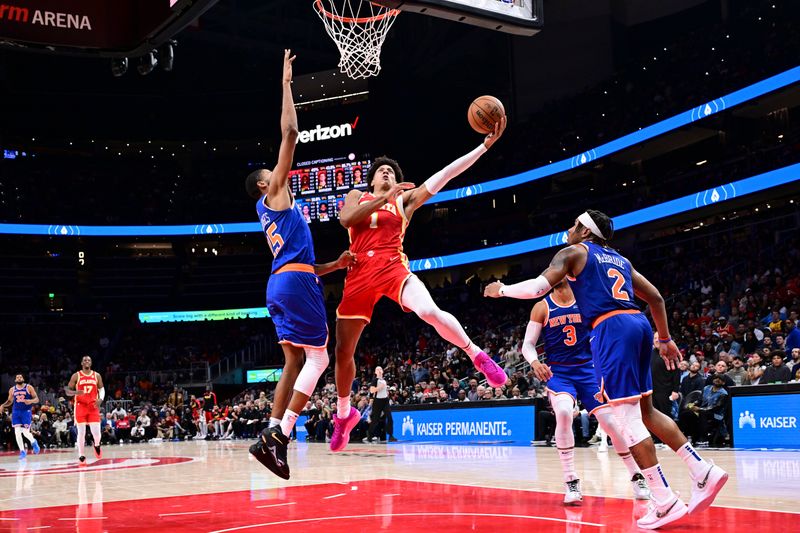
87	413
370	279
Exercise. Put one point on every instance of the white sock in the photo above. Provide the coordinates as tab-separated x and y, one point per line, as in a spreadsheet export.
288	422
659	487
28	435
18	434
274	421
81	439
567	457
630	463
697	465
343	407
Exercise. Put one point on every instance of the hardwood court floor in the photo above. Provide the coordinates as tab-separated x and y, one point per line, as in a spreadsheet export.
216	486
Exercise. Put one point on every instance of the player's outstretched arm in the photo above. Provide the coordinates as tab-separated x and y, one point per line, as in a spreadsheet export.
532	332
345	260
565	262
649	293
278	194
354	213
412	200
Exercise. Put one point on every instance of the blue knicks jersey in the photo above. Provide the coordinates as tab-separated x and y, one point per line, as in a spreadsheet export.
21	394
566	336
605	283
287	234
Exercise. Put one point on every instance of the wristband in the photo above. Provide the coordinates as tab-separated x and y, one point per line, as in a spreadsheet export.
668	339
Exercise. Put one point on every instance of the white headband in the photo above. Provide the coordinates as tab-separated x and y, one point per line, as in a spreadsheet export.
587	222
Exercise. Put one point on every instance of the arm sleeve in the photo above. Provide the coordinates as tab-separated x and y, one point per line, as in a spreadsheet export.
436	182
532	333
526	290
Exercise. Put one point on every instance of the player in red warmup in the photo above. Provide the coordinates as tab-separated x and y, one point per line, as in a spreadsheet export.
87	387
376	222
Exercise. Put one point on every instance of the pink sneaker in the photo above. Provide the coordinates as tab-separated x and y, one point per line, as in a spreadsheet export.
342	428
494	374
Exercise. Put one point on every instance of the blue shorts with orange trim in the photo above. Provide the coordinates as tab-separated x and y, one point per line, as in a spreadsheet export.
621	348
578	381
296	303
369	280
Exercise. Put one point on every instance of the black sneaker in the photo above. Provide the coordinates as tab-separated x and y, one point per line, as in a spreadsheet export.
271	451
392	439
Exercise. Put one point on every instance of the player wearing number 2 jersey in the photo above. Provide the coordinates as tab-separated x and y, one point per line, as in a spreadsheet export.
376	223
294	291
570	376
87	387
605	284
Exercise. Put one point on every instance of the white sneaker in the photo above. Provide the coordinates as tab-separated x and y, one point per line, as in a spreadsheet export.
705	490
640	489
573	494
660	515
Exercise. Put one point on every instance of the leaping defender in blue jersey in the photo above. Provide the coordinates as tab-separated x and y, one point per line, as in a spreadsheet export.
605	284
21	398
295	298
570	376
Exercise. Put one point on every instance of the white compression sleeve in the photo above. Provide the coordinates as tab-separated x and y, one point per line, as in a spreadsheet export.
313	368
532	333
436	182
526	290
102	393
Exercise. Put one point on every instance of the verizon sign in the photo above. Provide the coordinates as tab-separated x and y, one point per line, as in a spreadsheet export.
324	133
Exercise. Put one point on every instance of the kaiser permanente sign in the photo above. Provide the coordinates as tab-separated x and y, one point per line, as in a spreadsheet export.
507	422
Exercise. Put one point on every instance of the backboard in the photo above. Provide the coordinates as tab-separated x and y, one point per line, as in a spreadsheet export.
519	17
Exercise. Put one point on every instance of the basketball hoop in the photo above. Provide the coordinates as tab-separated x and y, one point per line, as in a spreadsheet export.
358	28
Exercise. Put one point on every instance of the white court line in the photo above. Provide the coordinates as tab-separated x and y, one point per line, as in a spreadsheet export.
275	505
9	519
382	515
39	527
179	514
334	496
86	518
584	493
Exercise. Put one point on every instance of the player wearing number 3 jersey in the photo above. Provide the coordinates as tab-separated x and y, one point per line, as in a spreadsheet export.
605	284
376	223
570	377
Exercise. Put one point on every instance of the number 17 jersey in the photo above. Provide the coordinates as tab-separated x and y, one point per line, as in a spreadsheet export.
604	285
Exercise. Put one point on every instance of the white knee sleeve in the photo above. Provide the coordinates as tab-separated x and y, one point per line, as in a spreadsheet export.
313	368
563	407
628	417
95	429
608	424
416	297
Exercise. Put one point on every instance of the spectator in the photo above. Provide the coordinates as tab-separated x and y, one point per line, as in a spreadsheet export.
474	394
61	432
137	432
792	336
666	383
778	372
738	373
720	369
693	381
794	363
698	420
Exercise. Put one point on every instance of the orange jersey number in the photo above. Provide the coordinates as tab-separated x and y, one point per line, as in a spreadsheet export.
619	281
572	337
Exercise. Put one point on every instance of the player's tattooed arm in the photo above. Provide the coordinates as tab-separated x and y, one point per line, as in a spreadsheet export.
649	293
344	261
566	262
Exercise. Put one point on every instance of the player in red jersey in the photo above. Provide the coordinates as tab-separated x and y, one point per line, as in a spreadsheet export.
376	222
87	387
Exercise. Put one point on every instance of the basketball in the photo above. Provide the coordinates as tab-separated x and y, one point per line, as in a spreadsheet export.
484	112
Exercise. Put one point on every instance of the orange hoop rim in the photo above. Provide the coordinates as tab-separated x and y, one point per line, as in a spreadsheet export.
356	20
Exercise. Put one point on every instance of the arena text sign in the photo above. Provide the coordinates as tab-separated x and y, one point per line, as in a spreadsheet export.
324	133
45	18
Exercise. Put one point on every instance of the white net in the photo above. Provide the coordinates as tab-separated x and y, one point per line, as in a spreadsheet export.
358	29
